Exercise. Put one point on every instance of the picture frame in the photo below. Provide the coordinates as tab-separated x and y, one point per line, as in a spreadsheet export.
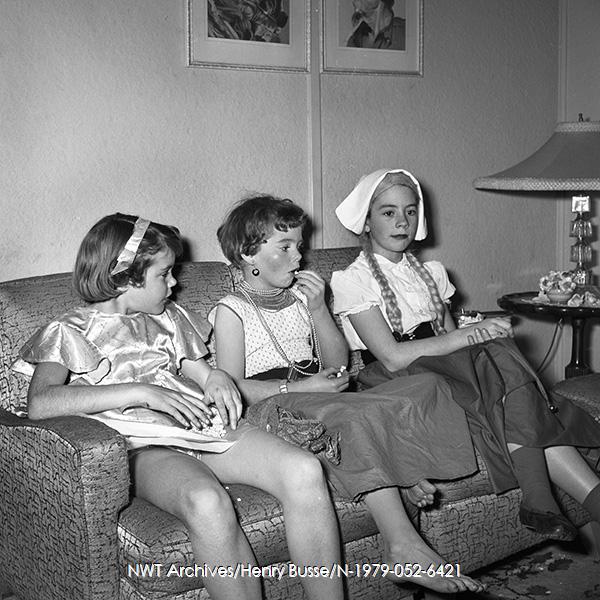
350	46
218	38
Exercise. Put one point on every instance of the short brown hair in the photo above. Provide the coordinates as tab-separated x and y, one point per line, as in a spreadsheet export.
98	252
251	221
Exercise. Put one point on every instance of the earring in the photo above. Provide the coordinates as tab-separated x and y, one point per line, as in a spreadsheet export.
255	272
367	229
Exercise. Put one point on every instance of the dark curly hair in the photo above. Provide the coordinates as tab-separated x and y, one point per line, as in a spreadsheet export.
251	222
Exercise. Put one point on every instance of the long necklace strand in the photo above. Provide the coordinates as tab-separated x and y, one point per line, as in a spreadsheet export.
315	340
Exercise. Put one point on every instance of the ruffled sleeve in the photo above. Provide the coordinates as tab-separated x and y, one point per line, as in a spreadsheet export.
440	276
60	343
353	292
190	333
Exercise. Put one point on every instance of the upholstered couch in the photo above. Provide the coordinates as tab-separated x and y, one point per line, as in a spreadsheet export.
70	530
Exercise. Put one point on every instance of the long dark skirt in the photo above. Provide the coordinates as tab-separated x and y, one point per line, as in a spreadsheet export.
403	431
504	402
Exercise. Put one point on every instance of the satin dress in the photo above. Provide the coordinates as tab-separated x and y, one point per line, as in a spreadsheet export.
111	348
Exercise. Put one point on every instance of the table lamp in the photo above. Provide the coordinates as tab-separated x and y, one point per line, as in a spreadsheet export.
569	161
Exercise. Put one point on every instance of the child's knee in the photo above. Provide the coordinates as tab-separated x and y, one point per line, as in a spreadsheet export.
204	502
305	473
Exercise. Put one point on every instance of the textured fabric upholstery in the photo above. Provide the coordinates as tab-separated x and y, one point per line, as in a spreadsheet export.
70	530
483	529
26	305
62	484
584	391
200	285
327	260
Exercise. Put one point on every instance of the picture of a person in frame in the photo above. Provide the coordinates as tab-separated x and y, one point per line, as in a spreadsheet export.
249	20
375	25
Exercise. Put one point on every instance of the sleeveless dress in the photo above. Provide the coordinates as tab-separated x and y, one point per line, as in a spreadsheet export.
501	395
393	435
110	348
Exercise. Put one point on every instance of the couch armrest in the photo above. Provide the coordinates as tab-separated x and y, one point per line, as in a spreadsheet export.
63	482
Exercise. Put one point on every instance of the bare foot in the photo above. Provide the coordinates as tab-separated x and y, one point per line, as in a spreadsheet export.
421	494
420	565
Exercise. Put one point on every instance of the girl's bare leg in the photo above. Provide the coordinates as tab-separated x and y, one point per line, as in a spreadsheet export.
568	469
403	545
296	479
185	487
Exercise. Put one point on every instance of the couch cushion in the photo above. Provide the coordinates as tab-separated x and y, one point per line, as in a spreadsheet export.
200	285
484	529
26	305
327	260
148	535
583	391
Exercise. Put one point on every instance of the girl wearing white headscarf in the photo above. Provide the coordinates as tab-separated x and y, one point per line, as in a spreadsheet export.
395	309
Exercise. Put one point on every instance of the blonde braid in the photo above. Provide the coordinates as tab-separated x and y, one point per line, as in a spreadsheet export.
425	275
392	309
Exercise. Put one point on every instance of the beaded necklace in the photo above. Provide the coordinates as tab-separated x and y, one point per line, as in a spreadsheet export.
276	299
290	298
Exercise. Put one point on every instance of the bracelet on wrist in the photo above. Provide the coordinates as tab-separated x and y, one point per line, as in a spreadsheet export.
283	387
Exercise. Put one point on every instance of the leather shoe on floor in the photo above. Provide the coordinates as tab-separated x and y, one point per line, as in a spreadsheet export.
551	525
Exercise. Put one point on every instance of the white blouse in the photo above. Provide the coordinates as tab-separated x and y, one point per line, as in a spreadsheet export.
356	290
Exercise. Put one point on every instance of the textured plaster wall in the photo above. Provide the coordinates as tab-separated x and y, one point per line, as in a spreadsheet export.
99	113
581	94
582	75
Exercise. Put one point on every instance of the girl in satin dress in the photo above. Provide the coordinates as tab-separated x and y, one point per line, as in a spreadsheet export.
135	359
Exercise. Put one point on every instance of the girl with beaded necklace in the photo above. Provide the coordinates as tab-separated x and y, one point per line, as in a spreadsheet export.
132	355
394	309
276	337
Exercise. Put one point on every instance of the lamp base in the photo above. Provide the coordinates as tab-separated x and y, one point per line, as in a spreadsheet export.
582	276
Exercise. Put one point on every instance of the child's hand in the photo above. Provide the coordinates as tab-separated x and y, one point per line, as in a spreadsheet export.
221	390
327	380
313	287
184	408
488	329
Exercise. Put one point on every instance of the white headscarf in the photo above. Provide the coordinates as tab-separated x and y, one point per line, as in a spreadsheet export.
353	210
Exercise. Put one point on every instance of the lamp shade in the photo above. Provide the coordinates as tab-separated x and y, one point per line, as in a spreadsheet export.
568	161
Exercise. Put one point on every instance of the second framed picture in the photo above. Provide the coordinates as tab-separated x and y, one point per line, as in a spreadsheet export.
373	36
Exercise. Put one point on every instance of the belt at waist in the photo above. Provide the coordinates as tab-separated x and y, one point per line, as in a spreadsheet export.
422	331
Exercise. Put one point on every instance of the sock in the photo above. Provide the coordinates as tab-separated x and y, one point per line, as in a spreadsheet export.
592	503
530	469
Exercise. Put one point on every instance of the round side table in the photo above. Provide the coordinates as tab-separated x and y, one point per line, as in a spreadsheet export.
578	316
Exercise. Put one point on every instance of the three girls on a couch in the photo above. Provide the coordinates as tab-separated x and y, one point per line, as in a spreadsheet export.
274	335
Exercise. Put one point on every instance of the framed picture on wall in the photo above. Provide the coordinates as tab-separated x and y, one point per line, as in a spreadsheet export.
249	34
373	36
